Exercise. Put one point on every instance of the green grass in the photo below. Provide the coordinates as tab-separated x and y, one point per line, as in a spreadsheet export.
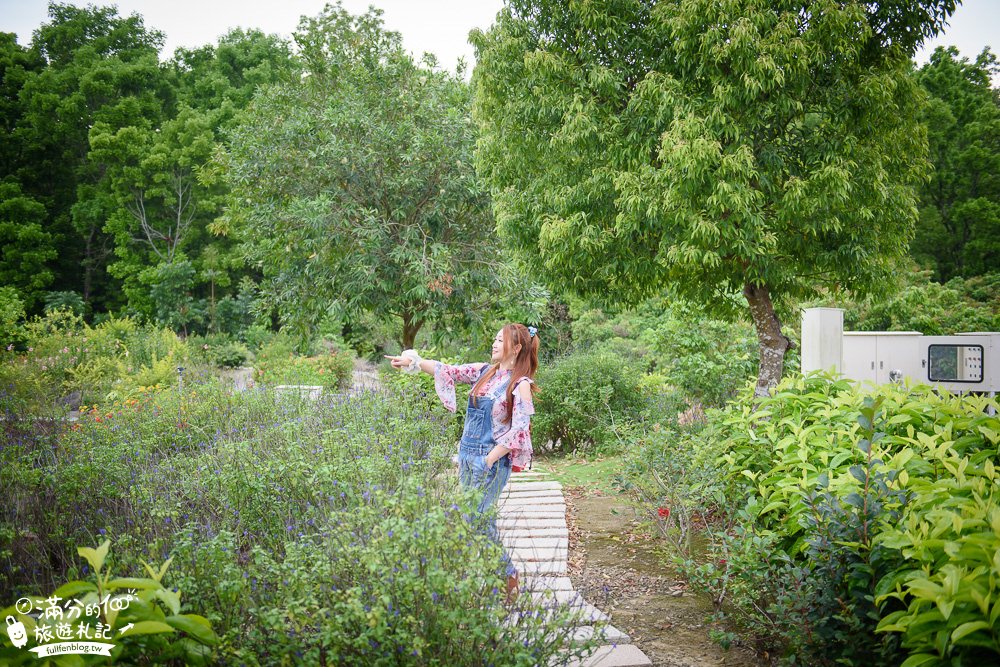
594	474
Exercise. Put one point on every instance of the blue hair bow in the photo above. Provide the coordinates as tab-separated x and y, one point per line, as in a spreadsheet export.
532	331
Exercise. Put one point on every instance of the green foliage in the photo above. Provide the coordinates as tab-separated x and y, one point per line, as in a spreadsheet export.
354	189
834	507
229	355
333	370
162	208
331	530
92	67
223	78
959	223
676	481
705	360
950	540
279	363
111	361
26	249
11	314
170	286
418	390
65	301
718	147
143	625
587	401
413	584
920	304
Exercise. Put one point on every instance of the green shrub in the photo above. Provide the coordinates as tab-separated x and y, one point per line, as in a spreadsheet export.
333	371
218	350
403	578
707	360
845	512
917	303
71	301
230	355
586	402
22	391
418	390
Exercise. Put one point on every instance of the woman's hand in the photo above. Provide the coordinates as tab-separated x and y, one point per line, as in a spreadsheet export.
411	362
398	362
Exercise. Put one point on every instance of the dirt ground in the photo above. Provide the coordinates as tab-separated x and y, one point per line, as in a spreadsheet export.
622	571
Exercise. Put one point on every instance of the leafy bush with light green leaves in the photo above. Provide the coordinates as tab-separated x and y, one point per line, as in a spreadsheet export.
63	362
857	527
705	360
332	371
587	401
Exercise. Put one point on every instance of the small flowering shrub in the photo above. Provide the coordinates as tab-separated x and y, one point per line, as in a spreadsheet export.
333	370
418	390
302	531
75	363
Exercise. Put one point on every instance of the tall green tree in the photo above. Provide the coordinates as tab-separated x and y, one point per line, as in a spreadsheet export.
98	68
354	189
162	210
223	77
731	147
959	229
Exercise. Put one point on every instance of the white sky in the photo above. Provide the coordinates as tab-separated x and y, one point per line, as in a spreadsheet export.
437	26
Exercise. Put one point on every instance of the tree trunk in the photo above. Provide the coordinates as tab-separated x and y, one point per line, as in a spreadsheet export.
773	343
410	329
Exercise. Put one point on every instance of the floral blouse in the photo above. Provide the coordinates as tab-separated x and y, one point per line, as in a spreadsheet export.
514	436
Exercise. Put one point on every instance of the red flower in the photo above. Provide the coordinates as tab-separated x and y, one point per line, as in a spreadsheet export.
664	512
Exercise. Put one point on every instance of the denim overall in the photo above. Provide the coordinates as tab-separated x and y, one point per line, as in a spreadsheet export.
477	442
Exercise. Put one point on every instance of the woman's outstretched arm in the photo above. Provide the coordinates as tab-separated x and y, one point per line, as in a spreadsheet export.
426	365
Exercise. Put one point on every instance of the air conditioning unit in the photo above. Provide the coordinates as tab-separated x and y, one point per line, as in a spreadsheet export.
964	362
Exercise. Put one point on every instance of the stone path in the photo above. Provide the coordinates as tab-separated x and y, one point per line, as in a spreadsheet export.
532	522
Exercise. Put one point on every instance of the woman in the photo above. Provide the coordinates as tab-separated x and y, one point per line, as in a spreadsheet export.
495	438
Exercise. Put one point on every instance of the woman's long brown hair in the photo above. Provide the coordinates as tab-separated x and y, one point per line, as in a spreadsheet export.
525	364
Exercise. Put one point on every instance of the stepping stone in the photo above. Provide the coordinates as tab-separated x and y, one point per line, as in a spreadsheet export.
532	514
532	510
546	584
535	542
522	531
533	501
548	597
536	486
586	612
520	495
539	555
580	616
527	523
608	633
530	568
624	655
